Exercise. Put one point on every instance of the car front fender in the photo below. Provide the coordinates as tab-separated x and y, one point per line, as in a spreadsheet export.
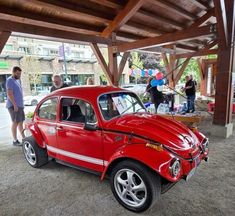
158	161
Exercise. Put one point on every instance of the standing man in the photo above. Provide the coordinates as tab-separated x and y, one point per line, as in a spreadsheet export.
15	104
57	83
190	91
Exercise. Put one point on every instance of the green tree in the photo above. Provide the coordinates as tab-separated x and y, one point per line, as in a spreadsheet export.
135	62
32	67
192	68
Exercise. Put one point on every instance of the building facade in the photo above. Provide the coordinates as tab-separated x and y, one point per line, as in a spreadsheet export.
40	60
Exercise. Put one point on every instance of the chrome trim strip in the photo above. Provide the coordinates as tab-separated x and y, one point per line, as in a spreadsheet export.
78	156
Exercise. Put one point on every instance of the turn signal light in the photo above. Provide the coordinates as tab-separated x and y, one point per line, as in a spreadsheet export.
155	147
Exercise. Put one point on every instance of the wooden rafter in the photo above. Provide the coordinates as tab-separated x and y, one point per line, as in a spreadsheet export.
173	8
21	20
221	18
181	70
186	47
203	18
147	15
169	38
201	52
3	39
122	64
14	26
201	4
122	17
102	62
39	7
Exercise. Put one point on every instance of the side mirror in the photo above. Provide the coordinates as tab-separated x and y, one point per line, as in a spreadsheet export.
91	126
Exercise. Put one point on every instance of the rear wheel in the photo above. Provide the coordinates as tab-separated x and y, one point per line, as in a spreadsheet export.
135	186
34	154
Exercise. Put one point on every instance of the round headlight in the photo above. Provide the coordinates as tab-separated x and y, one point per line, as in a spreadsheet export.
175	167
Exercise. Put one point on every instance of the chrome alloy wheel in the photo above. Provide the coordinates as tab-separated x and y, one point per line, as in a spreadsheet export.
130	187
29	153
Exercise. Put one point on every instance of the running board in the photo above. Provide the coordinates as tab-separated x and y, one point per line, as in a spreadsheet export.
78	167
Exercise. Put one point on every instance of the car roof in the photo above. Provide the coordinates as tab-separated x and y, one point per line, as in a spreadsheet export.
85	91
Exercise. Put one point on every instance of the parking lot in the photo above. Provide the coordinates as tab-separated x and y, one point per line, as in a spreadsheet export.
58	190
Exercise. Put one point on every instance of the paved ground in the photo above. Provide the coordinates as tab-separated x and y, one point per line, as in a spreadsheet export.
58	190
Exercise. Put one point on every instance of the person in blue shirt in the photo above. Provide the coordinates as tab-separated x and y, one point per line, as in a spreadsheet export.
15	103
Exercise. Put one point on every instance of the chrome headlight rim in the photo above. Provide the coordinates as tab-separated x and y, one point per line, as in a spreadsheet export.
175	167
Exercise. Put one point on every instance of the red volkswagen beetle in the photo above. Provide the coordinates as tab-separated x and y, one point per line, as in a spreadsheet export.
108	131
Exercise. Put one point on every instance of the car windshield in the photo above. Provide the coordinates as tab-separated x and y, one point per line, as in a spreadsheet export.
118	104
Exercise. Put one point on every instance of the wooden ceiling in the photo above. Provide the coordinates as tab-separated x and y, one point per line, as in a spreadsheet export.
132	21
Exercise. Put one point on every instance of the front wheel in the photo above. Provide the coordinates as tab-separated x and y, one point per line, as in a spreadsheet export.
34	154
135	186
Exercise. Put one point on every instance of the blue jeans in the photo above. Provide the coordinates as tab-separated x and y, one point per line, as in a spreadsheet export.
190	103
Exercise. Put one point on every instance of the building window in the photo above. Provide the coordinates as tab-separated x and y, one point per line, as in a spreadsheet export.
25	50
45	52
8	47
54	52
82	78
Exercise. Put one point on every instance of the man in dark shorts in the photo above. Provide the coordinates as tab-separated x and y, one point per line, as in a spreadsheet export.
15	103
190	91
57	83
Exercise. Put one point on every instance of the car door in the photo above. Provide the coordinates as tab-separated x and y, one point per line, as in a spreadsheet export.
46	116
76	145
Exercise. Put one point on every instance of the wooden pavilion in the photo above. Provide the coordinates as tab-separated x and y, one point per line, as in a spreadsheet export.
180	29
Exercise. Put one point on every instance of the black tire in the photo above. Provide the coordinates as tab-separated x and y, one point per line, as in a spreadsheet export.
38	156
151	180
34	102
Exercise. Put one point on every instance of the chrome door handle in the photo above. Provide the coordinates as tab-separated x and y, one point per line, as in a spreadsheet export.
59	128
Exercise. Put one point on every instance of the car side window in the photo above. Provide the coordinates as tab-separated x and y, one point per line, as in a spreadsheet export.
48	109
77	110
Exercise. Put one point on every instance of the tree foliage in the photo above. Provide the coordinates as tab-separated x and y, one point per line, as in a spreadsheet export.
192	68
32	67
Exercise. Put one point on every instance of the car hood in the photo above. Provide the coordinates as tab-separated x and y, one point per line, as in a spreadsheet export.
170	133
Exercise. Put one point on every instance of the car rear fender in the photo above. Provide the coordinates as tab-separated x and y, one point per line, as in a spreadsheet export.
158	161
35	132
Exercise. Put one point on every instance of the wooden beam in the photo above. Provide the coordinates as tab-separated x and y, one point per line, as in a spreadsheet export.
17	26
186	47
181	71
122	17
166	62
3	39
149	15
201	69
173	8
122	64
22	20
168	38
84	28
46	8
201	52
221	19
203	18
102	62
201	4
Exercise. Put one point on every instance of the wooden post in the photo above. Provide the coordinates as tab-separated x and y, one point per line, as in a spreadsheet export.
113	61
223	96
